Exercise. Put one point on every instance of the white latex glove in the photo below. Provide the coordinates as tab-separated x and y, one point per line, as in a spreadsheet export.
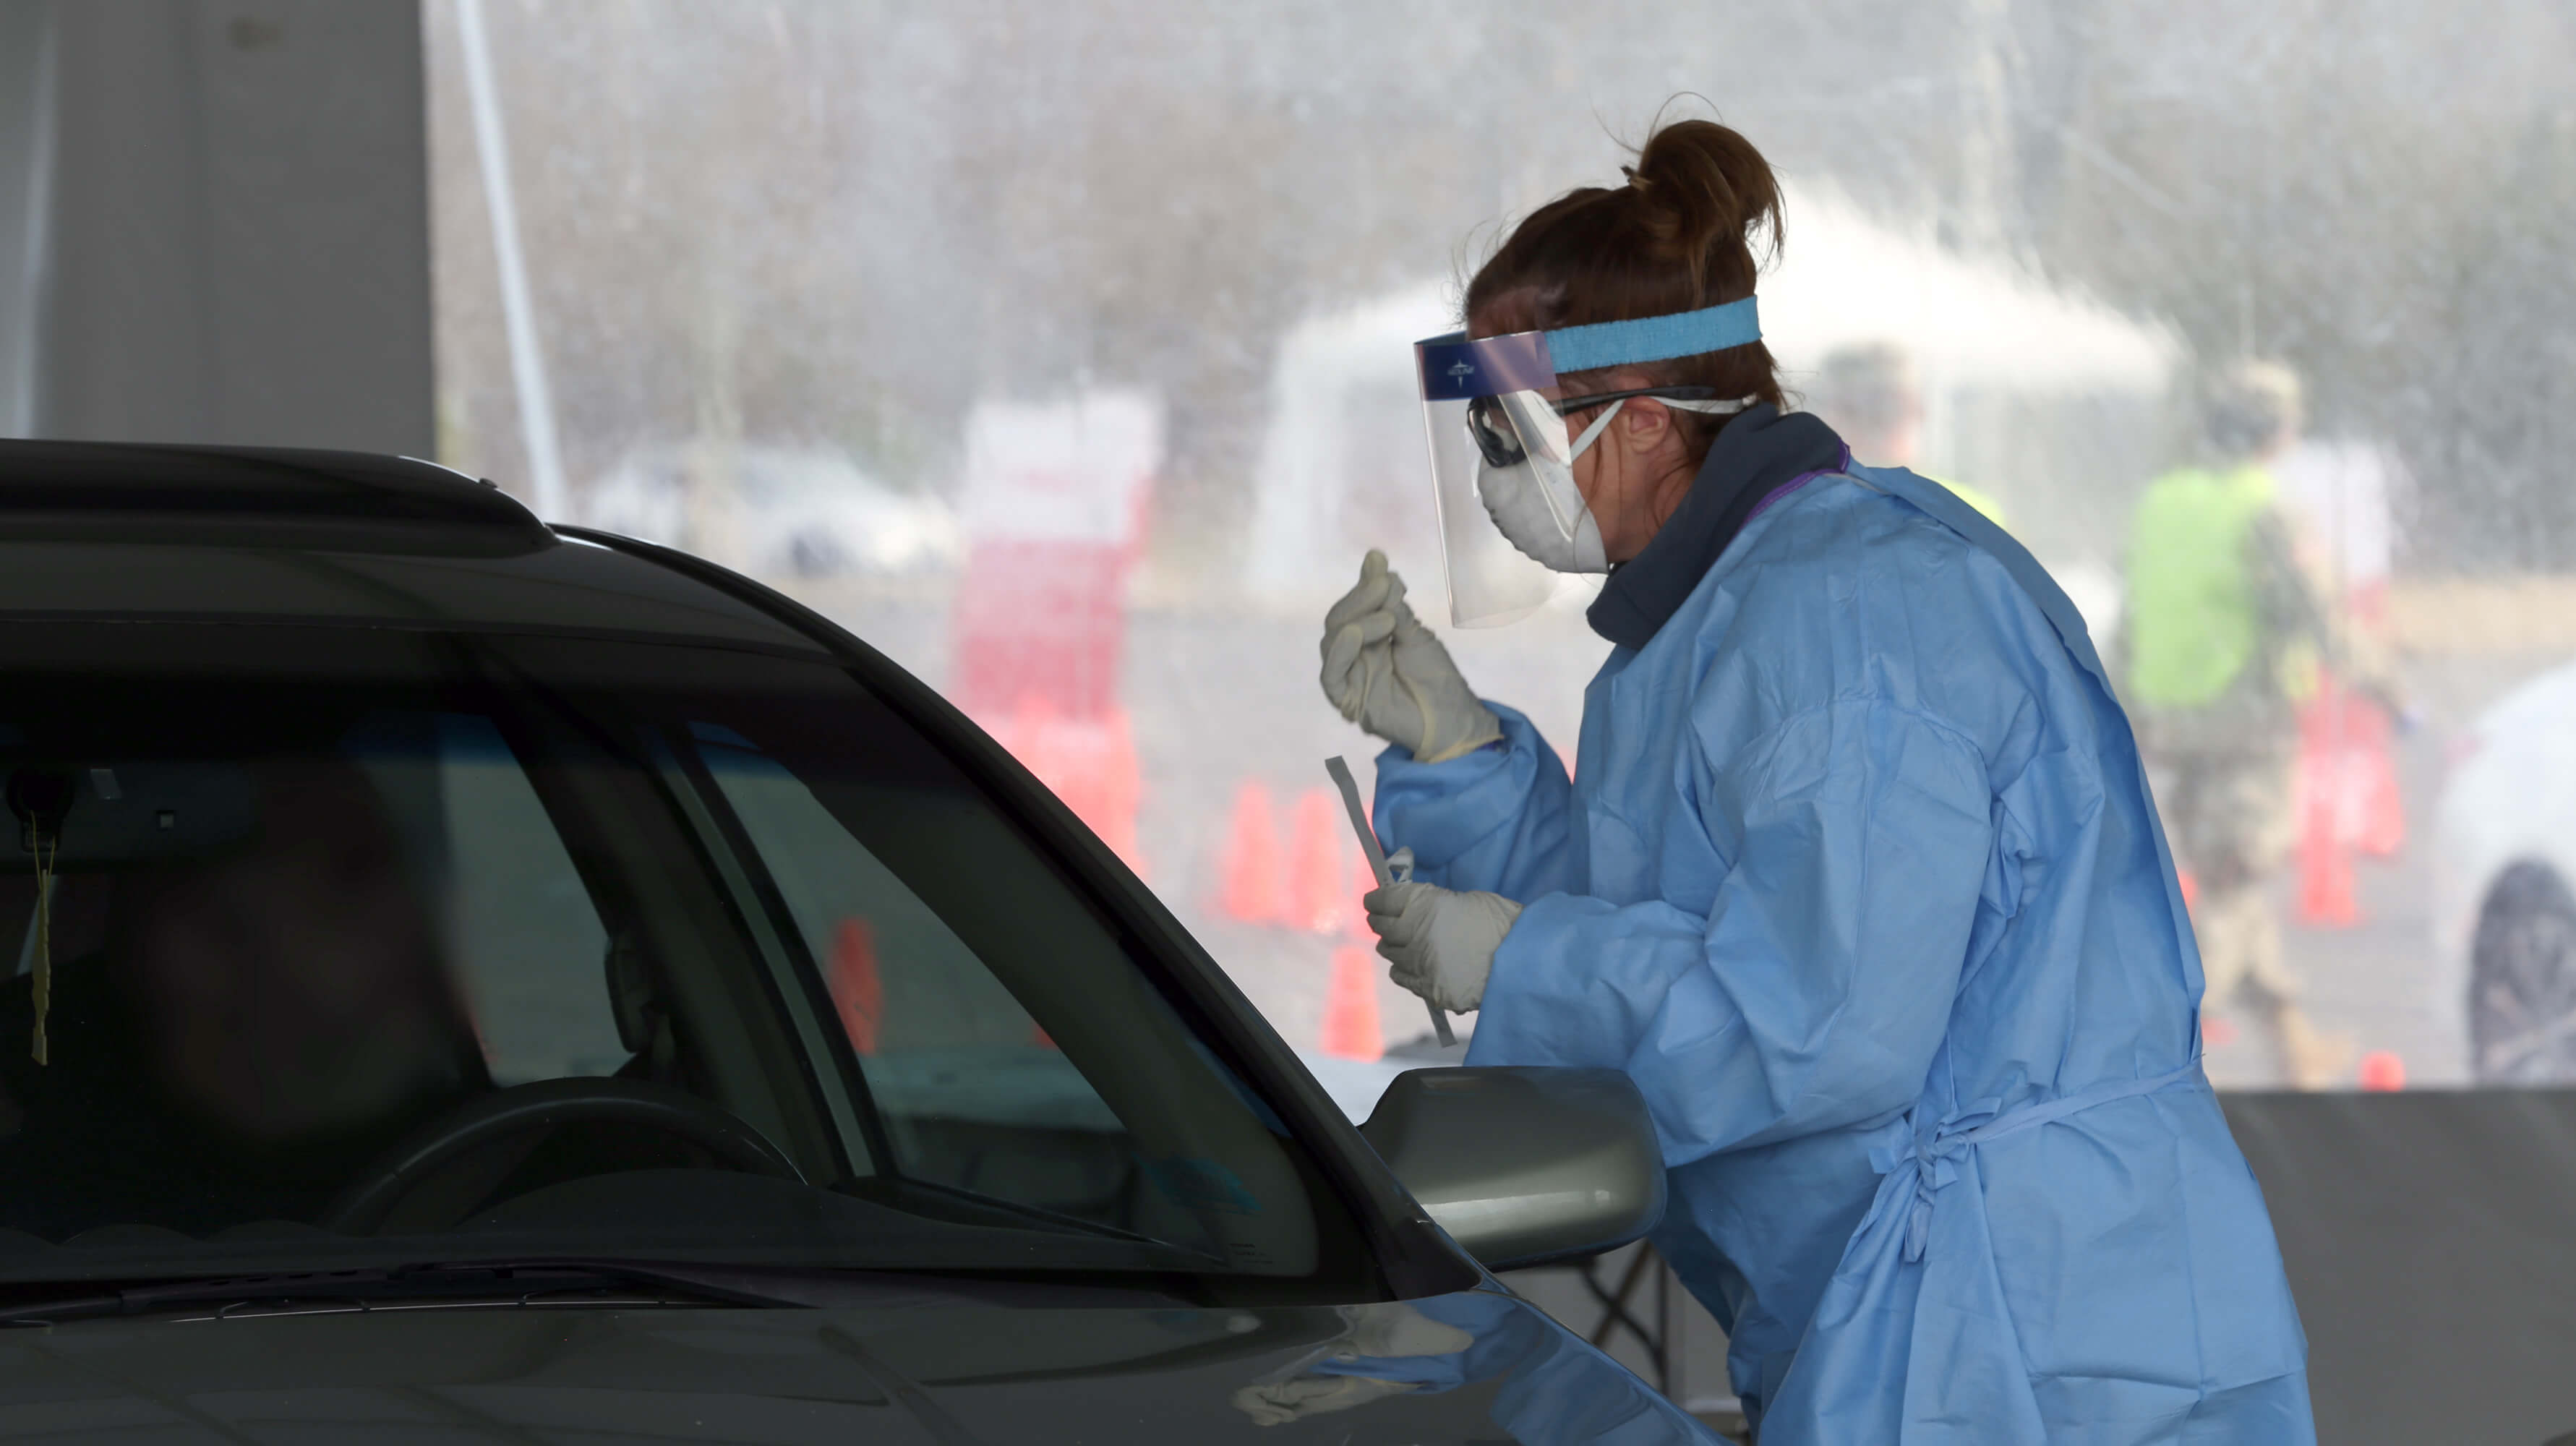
1382	1331
1390	675
1281	1402
1439	942
1393	1328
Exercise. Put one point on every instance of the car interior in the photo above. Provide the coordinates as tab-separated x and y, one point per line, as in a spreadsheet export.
343	940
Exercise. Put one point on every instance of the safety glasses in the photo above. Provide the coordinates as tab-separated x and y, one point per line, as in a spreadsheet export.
1489	423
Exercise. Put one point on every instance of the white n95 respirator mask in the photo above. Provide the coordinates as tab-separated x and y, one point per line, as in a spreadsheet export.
1525	479
1526	472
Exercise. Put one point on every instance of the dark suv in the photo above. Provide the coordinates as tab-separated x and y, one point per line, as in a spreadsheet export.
484	981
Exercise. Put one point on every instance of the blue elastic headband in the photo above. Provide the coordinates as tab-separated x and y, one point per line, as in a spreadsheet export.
1653	338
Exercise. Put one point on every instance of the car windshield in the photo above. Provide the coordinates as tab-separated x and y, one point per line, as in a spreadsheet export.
341	947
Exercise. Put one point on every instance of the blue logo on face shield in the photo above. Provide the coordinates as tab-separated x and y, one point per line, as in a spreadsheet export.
1454	368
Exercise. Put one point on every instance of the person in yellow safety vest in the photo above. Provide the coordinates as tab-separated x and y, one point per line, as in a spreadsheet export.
2225	632
1871	396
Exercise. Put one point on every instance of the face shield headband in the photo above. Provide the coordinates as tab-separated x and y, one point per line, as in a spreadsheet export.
1511	517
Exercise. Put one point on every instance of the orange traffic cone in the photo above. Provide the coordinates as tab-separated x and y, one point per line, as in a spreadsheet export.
1318	888
856	990
1351	1029
1248	891
2383	1069
2190	890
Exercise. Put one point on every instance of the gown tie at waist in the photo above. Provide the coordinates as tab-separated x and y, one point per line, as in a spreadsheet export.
1932	1162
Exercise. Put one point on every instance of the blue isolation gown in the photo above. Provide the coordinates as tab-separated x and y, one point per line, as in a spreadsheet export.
1859	880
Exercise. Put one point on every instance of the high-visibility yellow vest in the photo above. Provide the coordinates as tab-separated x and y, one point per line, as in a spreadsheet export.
2194	616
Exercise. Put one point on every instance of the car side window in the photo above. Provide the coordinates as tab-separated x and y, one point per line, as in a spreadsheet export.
522	935
973	1093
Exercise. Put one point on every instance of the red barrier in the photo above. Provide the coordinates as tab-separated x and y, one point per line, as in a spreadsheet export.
2346	801
1054	502
1044	617
2326	897
1088	761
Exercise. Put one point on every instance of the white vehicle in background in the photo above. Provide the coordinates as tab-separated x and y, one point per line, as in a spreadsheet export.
2504	887
773	511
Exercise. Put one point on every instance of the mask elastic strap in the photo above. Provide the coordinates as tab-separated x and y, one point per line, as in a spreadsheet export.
1590	432
1712	409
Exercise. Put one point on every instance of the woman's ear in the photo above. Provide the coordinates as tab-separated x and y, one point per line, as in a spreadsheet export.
1644	424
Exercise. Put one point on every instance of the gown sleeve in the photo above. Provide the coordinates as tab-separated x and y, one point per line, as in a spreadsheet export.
1500	819
1851	846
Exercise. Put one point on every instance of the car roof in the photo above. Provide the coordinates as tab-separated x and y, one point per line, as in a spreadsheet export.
117	530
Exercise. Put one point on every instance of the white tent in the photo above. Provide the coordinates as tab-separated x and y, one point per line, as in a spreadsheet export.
1344	461
1846	280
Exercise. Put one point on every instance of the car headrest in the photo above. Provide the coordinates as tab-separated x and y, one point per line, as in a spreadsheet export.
633	996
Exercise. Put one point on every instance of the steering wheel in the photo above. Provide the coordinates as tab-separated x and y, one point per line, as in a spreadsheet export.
363	1207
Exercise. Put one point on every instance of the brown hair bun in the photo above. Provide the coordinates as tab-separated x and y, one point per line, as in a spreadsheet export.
1681	235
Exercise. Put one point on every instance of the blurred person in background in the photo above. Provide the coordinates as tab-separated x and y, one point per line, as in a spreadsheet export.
1872	395
1858	877
2226	630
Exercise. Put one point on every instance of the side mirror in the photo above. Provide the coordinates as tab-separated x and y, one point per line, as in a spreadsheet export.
1524	1165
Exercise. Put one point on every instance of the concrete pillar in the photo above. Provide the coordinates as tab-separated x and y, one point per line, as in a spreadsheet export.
26	151
214	222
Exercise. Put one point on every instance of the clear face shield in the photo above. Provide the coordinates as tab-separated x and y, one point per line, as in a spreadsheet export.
1512	519
1471	391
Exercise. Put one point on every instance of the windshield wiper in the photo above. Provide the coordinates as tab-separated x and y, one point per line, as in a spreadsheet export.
567	1281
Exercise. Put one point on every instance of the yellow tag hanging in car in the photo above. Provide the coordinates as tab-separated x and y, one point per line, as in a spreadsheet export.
46	851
